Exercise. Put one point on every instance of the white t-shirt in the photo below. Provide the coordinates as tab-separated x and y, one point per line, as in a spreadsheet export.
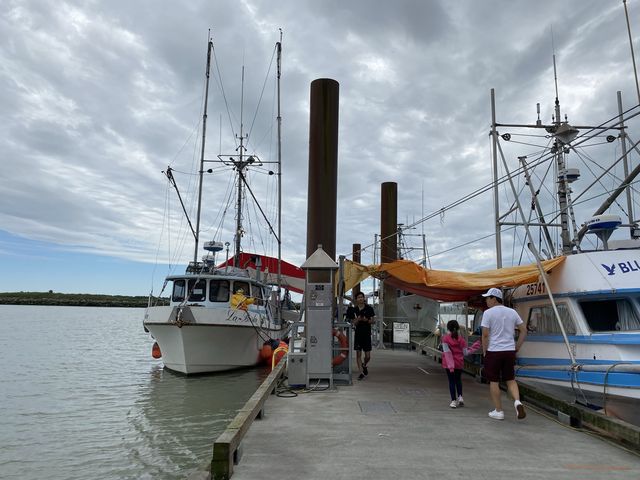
501	322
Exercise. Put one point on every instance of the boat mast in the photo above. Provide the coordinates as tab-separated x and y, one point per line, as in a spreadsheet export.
240	165
204	134
562	179
279	119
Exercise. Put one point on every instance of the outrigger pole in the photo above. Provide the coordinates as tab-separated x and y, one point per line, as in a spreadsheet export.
204	133
279	119
494	138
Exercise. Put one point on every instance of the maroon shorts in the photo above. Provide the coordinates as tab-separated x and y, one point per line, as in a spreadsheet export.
499	365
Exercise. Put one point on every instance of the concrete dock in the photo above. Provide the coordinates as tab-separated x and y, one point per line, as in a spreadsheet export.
397	424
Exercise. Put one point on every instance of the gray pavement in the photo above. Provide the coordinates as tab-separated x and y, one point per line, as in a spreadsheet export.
397	424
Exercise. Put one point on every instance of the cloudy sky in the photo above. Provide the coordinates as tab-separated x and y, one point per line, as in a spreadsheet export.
99	97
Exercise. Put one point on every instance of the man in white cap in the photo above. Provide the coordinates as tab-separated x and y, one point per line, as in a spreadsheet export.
499	348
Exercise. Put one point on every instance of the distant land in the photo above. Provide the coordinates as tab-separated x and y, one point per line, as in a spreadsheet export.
73	299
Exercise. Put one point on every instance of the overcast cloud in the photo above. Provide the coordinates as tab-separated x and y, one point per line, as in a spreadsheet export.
99	97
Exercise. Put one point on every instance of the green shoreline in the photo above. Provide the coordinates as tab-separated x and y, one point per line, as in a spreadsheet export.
72	299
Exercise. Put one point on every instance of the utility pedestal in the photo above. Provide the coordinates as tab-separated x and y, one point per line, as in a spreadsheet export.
319	301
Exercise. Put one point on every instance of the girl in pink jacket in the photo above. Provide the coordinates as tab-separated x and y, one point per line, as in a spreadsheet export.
453	347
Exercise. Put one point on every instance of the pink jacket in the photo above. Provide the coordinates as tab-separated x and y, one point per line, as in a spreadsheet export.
453	352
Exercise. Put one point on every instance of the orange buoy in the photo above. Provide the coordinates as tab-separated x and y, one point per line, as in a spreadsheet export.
265	353
155	350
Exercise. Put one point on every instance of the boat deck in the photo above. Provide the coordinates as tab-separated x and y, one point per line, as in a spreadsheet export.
397	424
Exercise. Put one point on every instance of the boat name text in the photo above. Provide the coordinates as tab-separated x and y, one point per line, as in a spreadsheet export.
624	267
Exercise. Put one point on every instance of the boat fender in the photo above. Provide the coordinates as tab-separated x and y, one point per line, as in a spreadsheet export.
155	350
344	347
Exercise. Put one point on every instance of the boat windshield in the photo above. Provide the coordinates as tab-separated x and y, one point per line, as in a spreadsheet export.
610	315
219	291
195	289
179	290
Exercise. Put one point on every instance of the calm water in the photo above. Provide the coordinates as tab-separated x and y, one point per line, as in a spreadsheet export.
82	397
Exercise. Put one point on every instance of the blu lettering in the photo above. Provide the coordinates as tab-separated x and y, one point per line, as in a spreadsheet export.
625	267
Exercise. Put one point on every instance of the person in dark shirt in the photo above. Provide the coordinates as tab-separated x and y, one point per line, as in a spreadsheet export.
361	316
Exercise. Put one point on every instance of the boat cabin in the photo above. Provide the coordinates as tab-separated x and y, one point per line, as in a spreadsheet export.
212	290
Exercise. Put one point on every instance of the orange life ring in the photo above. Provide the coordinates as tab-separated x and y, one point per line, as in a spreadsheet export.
344	347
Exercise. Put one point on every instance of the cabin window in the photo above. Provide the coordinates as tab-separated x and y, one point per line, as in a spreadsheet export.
542	321
256	292
610	315
219	291
242	285
179	290
197	290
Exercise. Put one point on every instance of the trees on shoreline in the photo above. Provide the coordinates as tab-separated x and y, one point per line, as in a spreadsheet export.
72	299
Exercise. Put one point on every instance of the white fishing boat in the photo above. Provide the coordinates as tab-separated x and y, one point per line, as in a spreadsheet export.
221	314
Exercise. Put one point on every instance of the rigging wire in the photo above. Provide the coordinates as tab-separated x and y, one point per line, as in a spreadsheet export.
220	84
611	123
264	84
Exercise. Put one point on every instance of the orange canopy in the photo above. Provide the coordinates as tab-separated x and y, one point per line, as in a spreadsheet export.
442	284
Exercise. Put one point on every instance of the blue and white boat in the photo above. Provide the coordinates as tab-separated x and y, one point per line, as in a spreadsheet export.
597	296
582	317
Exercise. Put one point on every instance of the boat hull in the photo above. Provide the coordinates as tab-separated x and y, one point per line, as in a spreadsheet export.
602	387
208	341
606	374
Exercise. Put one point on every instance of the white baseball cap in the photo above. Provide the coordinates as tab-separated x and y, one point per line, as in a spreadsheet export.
493	292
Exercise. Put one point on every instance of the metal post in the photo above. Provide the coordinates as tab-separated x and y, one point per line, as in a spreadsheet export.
496	203
625	163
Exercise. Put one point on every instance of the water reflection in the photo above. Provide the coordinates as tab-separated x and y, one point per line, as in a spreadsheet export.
84	399
177	418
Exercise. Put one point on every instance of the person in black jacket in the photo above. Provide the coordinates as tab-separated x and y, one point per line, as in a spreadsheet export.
362	317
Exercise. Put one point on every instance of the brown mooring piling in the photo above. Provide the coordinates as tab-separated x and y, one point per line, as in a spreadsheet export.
356	248
323	166
389	250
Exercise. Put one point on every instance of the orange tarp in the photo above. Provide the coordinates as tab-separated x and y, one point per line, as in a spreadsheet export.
442	284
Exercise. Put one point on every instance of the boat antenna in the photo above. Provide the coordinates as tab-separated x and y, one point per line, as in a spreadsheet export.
204	136
633	58
555	79
279	179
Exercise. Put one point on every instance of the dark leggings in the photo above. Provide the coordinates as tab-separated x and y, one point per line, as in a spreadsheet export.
455	382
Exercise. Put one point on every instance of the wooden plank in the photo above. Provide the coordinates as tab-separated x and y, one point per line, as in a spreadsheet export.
226	445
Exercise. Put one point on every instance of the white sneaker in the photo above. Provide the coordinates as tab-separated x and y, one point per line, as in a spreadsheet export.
460	401
496	415
520	413
453	404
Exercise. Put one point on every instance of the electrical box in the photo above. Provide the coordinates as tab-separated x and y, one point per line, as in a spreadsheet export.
297	369
319	337
318	313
